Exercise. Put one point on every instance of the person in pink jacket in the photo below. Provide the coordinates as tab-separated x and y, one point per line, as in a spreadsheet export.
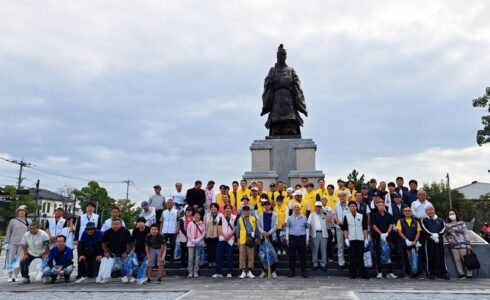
196	230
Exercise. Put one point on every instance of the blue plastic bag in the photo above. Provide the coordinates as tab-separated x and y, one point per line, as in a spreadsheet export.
177	251
385	253
141	276
368	260
14	264
267	254
132	263
414	260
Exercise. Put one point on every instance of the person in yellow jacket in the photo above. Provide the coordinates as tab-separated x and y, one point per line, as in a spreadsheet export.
243	190
254	198
219	196
332	199
304	205
352	190
234	197
282	212
321	190
246	227
311	196
281	191
341	187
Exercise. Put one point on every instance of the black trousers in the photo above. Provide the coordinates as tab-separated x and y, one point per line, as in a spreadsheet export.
297	245
211	246
88	268
436	264
356	258
407	266
331	243
24	265
377	256
170	243
183	254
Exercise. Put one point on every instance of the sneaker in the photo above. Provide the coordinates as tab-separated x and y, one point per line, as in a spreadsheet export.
132	279
283	252
98	280
190	275
159	280
229	275
81	280
53	280
104	280
250	275
196	275
24	281
148	281
469	277
262	275
124	279
274	275
45	279
391	276
217	275
379	276
243	275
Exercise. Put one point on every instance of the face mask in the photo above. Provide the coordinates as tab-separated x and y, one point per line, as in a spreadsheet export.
434	217
452	217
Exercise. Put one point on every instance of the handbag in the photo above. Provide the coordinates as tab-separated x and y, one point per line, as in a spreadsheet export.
471	261
249	240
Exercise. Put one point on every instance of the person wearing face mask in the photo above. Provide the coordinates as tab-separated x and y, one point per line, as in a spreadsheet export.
459	242
434	229
485	231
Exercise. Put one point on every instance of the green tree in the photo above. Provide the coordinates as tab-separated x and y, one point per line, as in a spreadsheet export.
358	182
483	135
482	212
13	200
129	212
93	192
439	196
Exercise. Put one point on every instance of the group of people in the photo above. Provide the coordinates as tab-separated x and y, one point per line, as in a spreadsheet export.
380	221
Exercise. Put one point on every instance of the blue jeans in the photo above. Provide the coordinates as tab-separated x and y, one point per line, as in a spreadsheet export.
48	271
123	263
224	248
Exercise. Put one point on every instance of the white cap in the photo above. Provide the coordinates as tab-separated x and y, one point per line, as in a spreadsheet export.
298	193
318	203
290	190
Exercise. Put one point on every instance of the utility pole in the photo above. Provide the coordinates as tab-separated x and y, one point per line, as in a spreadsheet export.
37	199
449	191
22	164
127	188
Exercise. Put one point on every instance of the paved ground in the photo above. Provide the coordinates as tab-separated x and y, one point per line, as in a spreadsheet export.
324	287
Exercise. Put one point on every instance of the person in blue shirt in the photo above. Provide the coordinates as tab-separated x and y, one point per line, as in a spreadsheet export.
60	261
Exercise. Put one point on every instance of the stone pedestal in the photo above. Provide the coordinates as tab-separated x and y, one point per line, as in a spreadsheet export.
286	160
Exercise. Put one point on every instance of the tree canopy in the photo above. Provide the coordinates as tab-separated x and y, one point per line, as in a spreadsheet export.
483	135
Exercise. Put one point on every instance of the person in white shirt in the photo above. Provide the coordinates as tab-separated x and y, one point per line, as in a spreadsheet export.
88	216
69	232
340	211
157	201
168	227
317	223
56	224
178	196
419	206
115	214
36	245
148	213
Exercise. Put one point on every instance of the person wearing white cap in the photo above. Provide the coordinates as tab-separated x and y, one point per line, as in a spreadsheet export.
317	224
15	232
298	198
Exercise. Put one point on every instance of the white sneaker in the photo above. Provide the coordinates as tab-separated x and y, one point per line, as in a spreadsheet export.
196	275
81	280
380	276
124	279
217	276
132	279
243	275
97	280
229	275
104	280
283	252
262	275
250	275
190	275
391	276
274	275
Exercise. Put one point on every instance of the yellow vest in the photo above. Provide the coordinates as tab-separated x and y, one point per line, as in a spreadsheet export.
302	204
281	214
352	194
310	198
243	230
322	193
219	199
240	194
233	200
332	200
254	201
345	189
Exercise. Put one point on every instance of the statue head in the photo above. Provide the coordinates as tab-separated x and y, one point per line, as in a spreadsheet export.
281	54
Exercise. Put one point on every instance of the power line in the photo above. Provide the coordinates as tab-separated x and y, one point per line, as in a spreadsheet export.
22	165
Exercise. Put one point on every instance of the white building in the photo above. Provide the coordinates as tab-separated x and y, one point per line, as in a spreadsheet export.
49	201
474	190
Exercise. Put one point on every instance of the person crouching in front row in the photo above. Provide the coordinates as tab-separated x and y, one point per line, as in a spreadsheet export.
60	261
355	238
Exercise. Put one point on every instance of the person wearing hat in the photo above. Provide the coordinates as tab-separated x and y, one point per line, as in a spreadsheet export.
373	188
148	213
15	232
396	210
272	192
282	213
157	201
245	202
298	198
376	198
297	238
365	194
266	229
88	216
341	187
254	199
55	225
290	196
115	214
340	211
90	252
355	227
246	231
317	224
35	244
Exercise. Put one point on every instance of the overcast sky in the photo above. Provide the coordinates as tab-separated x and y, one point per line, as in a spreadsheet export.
165	91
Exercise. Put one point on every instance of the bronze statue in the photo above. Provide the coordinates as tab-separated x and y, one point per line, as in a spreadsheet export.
283	100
